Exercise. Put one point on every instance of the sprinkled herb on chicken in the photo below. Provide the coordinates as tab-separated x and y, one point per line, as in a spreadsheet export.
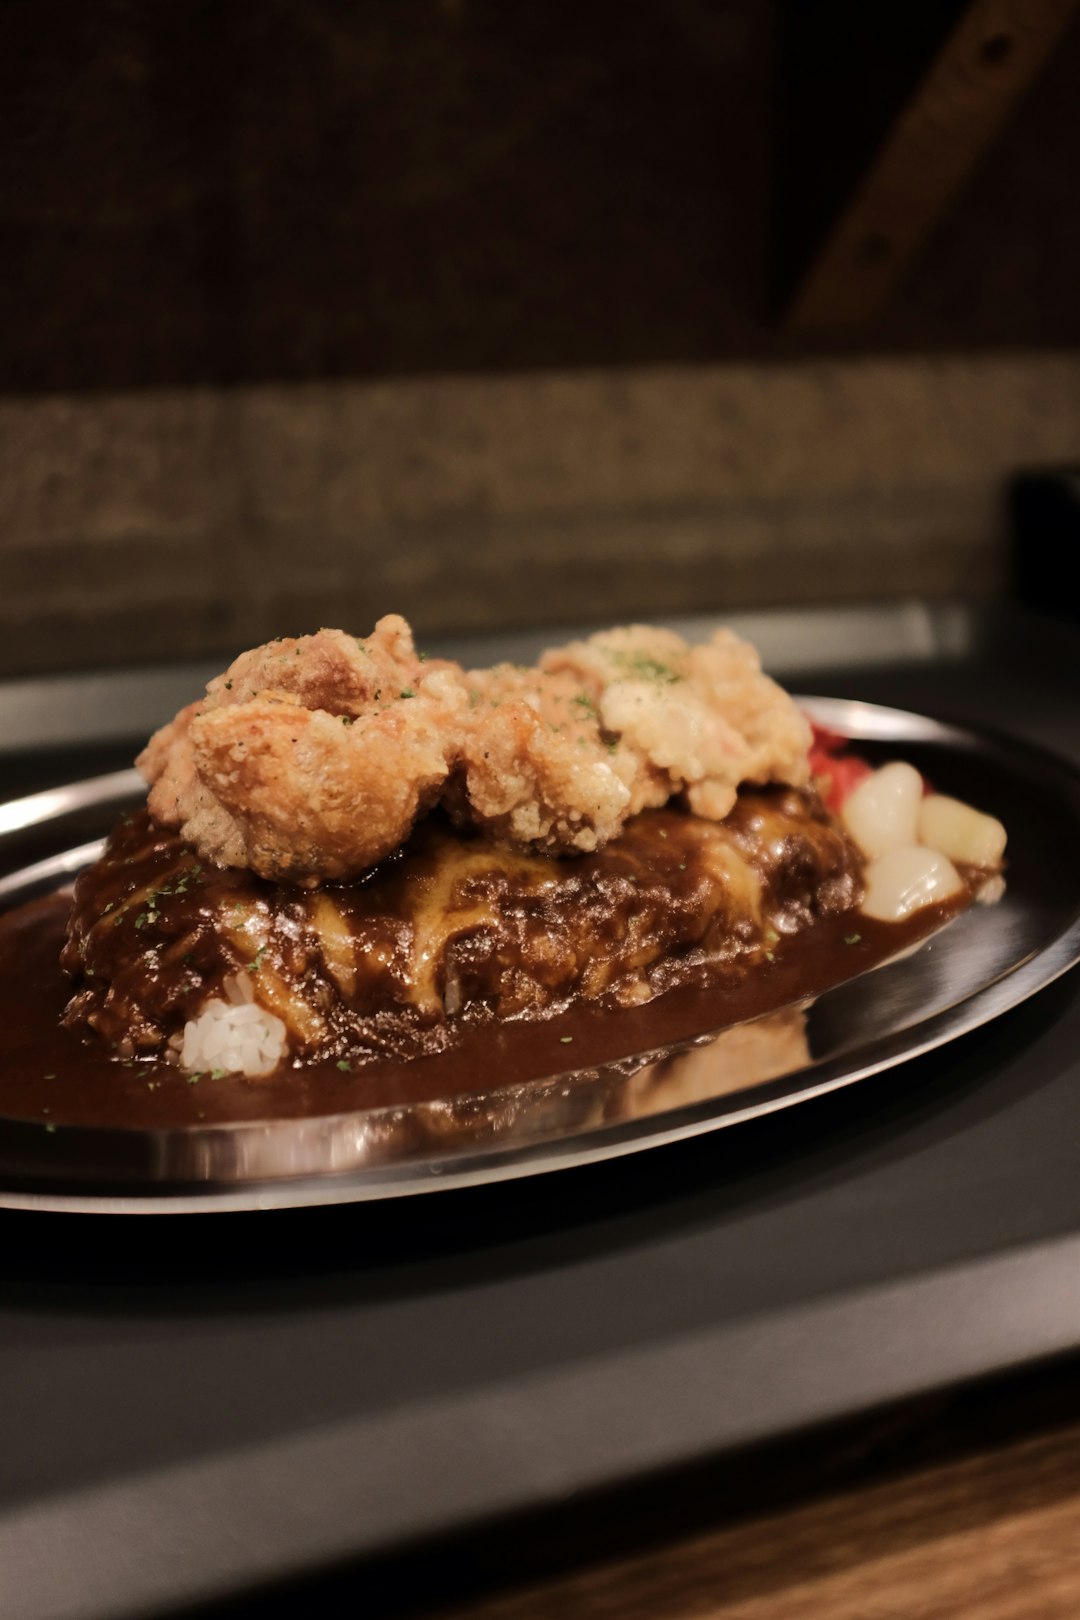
310	760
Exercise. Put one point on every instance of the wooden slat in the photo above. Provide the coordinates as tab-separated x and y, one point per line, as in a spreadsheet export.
995	1536
985	65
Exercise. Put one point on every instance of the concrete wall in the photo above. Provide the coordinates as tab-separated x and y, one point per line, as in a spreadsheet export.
145	524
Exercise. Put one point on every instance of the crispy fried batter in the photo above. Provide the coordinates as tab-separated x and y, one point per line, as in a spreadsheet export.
535	767
699	720
311	759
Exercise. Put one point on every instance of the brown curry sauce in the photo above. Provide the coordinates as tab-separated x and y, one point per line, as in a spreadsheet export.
55	1075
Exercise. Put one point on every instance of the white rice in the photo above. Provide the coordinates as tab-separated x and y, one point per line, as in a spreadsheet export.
236	1036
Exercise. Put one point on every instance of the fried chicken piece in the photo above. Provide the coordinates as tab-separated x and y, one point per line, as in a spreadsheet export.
536	768
309	759
178	797
341	674
700	720
561	756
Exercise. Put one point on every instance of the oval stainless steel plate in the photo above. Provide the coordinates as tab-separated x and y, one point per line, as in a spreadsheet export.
985	962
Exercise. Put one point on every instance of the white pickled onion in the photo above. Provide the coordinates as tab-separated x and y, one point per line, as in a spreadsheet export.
882	813
903	880
960	831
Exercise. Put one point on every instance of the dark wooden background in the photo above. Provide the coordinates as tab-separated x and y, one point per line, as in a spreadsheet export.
227	191
310	309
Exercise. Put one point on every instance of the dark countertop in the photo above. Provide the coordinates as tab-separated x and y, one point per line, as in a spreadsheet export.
197	1405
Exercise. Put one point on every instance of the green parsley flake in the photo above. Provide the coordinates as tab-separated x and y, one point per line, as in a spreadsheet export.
407	692
852	939
218	1074
643	668
343	1063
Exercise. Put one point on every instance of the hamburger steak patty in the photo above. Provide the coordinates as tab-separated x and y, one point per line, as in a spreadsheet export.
451	927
